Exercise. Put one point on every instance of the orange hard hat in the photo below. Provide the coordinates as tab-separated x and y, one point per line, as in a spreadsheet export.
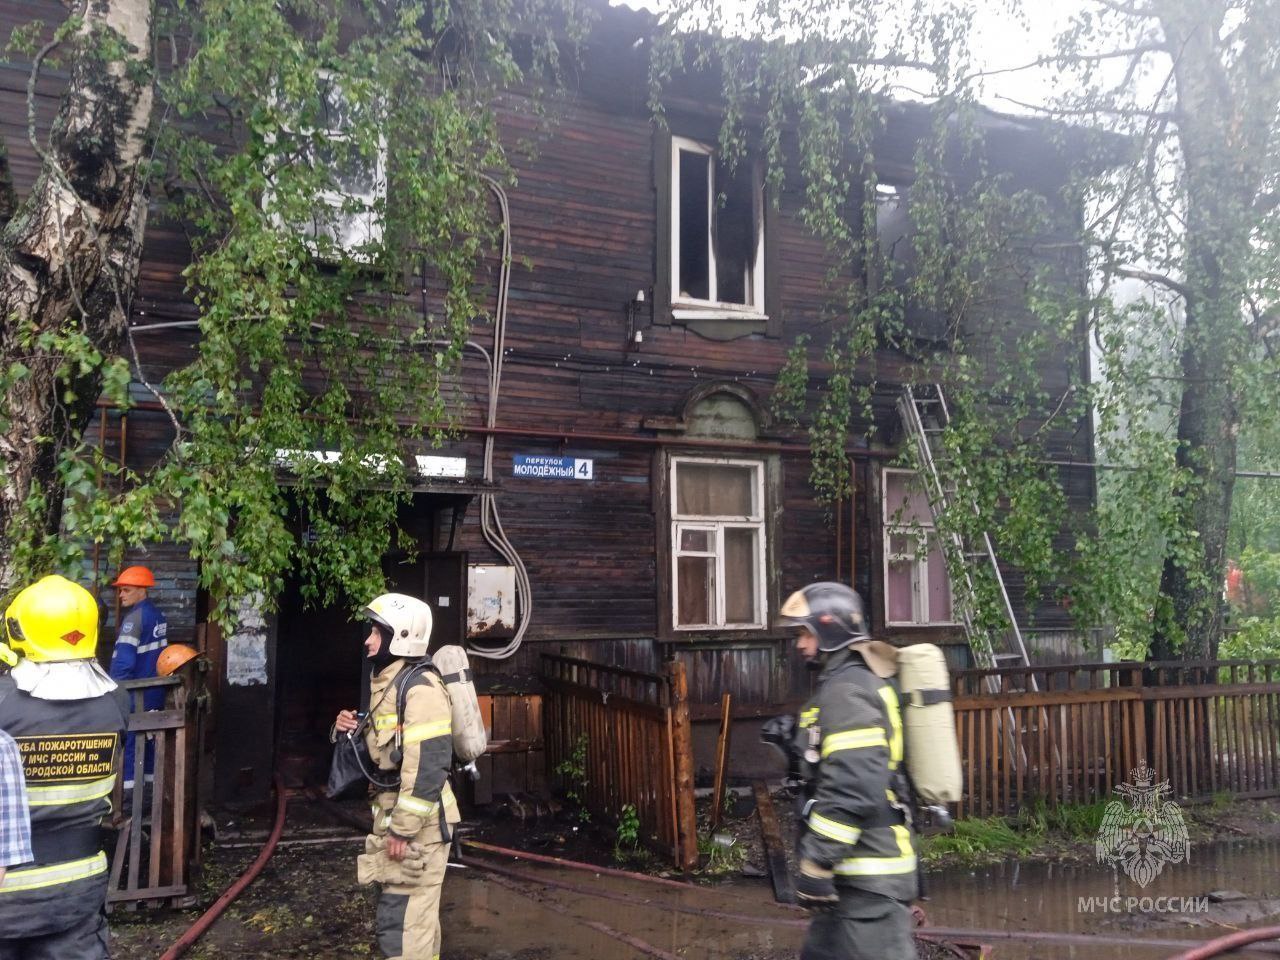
134	577
173	657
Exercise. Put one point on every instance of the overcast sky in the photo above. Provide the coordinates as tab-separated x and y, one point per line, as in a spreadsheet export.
1000	41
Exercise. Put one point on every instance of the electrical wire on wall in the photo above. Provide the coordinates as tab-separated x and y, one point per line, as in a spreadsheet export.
490	522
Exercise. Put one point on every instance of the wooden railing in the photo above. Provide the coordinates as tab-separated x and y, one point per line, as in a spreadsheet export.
1125	673
156	822
1207	727
634	727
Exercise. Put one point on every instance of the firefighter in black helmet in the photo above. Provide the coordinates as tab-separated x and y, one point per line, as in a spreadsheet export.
857	855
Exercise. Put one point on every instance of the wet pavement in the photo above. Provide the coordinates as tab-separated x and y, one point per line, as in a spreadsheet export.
307	905
1091	898
1083	898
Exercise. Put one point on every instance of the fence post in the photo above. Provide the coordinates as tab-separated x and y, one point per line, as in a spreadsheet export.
682	744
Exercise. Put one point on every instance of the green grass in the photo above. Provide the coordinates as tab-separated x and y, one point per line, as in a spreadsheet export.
1034	828
1070	821
977	839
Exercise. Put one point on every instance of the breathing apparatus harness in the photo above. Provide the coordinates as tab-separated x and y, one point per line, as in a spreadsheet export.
400	684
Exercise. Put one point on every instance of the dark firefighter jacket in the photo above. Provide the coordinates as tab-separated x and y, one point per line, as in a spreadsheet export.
70	753
420	746
851	735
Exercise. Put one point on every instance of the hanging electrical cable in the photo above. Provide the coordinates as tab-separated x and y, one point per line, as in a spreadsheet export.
490	521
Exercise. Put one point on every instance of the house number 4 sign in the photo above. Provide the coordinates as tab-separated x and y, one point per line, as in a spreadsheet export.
552	468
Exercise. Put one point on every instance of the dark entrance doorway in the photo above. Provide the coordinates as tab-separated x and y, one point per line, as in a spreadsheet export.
319	653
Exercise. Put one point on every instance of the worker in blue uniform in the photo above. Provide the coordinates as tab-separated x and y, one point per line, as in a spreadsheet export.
139	642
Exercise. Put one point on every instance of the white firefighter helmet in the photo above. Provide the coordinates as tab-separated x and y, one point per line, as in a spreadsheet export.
408	619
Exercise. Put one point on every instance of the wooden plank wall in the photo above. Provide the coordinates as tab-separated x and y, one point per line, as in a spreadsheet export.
516	760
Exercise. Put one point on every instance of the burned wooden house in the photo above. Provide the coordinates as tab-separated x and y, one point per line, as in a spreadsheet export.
656	508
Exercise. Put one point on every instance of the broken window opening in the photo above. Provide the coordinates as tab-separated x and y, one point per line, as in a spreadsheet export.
718	235
899	263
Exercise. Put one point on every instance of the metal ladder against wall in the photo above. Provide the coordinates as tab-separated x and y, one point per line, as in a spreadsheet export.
925	415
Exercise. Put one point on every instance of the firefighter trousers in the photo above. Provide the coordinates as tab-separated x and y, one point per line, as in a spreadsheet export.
863	926
408	918
86	940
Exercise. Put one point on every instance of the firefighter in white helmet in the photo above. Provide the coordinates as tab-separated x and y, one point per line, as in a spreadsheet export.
408	732
57	702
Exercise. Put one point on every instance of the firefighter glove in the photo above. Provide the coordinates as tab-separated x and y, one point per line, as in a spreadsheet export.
815	886
414	864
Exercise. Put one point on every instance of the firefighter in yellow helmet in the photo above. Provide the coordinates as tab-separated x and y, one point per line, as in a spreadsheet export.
68	718
407	728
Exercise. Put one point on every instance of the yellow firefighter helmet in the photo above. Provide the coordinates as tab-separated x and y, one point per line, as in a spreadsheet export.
53	619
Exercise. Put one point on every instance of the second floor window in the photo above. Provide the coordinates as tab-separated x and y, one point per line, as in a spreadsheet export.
717	544
347	215
717	226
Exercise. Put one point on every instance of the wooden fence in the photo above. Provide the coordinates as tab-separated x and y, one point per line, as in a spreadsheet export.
156	833
515	761
632	732
1207	727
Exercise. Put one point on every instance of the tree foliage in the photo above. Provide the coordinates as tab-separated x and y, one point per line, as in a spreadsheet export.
267	113
1170	107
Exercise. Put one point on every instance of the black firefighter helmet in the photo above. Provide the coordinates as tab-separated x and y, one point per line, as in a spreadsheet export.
831	611
835	615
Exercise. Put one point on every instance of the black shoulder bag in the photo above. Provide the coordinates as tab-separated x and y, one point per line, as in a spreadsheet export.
351	762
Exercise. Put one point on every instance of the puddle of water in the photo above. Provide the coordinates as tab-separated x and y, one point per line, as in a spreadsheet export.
499	923
495	922
1069	897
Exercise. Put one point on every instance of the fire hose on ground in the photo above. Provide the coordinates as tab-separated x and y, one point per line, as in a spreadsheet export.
1233	941
511	879
207	919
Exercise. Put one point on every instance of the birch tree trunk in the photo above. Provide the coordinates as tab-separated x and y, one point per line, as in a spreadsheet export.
69	259
1223	133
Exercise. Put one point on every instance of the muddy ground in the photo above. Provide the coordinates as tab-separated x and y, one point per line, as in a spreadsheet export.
306	904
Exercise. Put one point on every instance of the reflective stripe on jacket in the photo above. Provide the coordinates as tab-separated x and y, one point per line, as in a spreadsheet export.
853	827
425	745
71	757
142	638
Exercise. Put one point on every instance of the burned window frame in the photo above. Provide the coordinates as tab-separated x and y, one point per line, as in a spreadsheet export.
754	283
712	319
894	266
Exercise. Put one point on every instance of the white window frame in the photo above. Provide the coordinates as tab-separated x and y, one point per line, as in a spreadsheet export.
717	525
713	308
921	533
369	224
